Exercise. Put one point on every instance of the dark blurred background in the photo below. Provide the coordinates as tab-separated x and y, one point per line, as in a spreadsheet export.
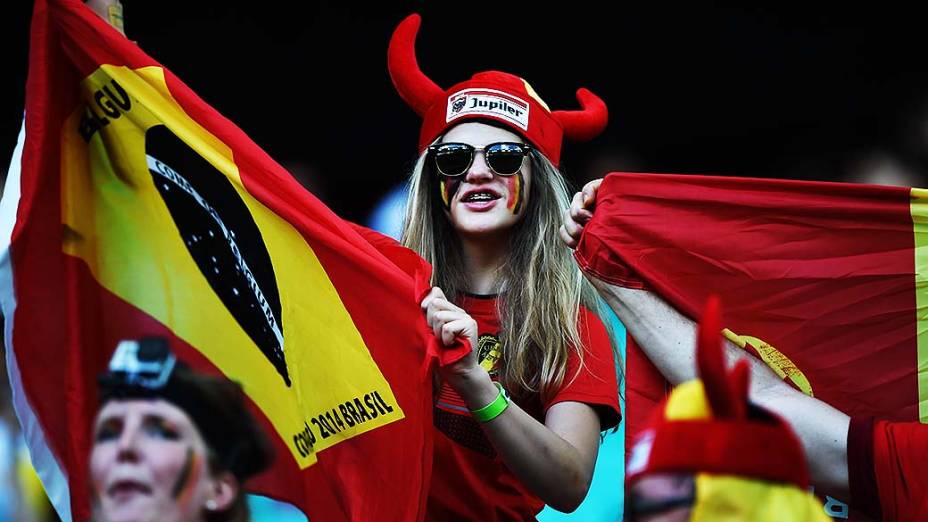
813	92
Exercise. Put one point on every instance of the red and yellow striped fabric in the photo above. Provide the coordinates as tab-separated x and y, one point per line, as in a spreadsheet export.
824	281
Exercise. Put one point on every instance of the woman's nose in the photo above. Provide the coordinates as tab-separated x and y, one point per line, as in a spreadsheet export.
479	170
127	445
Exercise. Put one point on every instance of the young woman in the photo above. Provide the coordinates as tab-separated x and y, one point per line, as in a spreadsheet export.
485	206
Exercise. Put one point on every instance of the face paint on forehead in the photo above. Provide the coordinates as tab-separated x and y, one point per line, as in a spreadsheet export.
448	188
189	475
515	184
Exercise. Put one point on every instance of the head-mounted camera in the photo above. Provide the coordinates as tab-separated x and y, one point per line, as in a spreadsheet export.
146	363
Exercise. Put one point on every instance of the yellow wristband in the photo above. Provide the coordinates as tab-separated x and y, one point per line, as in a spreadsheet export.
494	409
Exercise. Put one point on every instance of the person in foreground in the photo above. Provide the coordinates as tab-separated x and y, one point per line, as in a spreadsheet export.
518	419
170	444
711	454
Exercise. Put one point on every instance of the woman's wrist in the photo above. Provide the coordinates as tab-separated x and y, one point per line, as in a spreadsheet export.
474	386
495	408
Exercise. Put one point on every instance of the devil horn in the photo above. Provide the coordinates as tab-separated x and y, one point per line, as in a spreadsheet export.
710	360
416	89
585	124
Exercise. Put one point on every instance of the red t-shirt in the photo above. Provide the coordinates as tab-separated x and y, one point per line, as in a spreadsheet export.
888	468
469	480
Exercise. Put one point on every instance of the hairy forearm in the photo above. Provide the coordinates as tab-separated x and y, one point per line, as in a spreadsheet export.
668	339
548	465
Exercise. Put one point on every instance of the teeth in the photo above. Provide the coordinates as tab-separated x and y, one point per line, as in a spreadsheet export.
480	196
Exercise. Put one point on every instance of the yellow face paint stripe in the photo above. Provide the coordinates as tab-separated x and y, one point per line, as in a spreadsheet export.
445	193
919	210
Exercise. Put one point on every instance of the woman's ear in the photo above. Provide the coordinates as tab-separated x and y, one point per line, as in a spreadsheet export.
223	491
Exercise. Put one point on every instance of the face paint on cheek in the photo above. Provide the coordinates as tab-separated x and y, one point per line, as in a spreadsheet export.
95	493
448	188
189	475
515	184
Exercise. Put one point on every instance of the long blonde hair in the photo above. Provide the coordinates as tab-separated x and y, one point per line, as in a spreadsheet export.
540	286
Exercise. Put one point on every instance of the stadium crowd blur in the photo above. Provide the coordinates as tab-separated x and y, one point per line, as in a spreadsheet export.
812	93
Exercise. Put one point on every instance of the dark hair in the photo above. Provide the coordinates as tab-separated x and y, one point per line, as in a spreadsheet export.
238	510
216	405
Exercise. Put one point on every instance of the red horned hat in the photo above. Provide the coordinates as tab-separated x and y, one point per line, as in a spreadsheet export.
490	95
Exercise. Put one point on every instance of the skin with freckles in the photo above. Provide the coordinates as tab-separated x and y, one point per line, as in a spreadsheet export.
149	462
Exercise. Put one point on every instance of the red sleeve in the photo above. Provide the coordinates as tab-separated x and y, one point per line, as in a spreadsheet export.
899	453
861	477
596	383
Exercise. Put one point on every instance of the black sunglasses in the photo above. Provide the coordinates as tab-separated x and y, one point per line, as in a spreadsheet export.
454	159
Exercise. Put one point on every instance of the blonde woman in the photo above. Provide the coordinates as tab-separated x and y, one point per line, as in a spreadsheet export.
518	420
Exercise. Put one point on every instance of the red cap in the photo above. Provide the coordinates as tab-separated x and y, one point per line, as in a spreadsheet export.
490	95
730	436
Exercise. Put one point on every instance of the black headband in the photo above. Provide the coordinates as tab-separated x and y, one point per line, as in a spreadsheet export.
146	369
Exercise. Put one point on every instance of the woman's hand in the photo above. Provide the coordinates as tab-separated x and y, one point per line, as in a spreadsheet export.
448	322
579	213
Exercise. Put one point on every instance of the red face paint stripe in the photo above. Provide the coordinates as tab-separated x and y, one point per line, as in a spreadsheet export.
515	192
183	489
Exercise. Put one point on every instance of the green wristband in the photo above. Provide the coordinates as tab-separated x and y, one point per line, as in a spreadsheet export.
492	410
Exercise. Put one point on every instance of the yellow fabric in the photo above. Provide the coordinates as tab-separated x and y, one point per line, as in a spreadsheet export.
919	209
722	498
776	360
119	225
688	402
31	493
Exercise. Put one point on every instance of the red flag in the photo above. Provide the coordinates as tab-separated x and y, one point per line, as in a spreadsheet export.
824	281
140	210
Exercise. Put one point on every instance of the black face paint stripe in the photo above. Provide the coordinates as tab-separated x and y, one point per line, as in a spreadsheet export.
184	476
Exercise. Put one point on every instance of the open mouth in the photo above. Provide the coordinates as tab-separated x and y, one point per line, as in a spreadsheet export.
125	488
480	197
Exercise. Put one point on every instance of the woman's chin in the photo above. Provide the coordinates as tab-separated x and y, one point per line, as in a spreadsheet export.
135	508
483	223
482	229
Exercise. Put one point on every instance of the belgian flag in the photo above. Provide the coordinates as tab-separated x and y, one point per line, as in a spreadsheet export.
826	282
133	208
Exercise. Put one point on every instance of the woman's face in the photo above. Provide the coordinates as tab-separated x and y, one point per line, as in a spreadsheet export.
471	212
148	462
662	497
